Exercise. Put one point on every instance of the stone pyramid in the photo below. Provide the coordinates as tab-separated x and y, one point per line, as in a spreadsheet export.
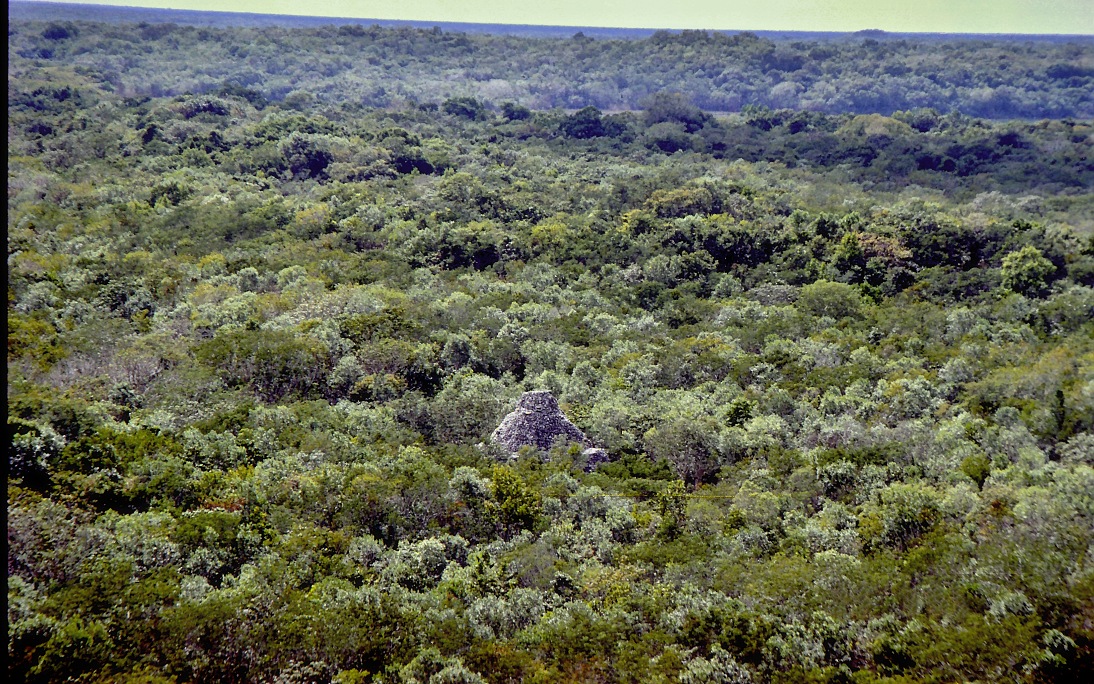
537	421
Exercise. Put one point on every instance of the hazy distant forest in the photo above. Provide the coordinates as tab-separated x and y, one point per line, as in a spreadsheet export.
828	305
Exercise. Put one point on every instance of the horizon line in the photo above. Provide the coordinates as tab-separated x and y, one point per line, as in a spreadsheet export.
321	19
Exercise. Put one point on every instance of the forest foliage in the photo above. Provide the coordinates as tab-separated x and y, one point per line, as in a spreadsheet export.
262	318
993	77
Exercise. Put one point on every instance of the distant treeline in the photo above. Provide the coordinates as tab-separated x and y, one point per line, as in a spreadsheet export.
375	66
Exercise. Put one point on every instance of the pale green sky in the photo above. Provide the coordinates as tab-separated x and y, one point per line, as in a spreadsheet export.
950	16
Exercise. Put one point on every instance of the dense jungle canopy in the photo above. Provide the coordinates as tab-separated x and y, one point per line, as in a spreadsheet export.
828	307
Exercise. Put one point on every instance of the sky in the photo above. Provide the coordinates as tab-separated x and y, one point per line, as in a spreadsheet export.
914	16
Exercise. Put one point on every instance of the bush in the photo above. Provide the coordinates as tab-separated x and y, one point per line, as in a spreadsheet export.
1027	271
834	300
466	108
274	363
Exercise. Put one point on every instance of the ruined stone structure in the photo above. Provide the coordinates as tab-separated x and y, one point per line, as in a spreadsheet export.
594	456
537	421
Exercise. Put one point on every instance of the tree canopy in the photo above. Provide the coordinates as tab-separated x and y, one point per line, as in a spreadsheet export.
270	291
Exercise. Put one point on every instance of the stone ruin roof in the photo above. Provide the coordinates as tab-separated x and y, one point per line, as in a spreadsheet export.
537	421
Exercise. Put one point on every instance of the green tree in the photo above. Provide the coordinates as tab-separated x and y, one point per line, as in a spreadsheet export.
1026	271
585	123
515	504
834	300
467	108
672	504
273	362
691	445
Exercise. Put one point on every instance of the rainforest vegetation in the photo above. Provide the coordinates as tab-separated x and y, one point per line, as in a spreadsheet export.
377	67
828	306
